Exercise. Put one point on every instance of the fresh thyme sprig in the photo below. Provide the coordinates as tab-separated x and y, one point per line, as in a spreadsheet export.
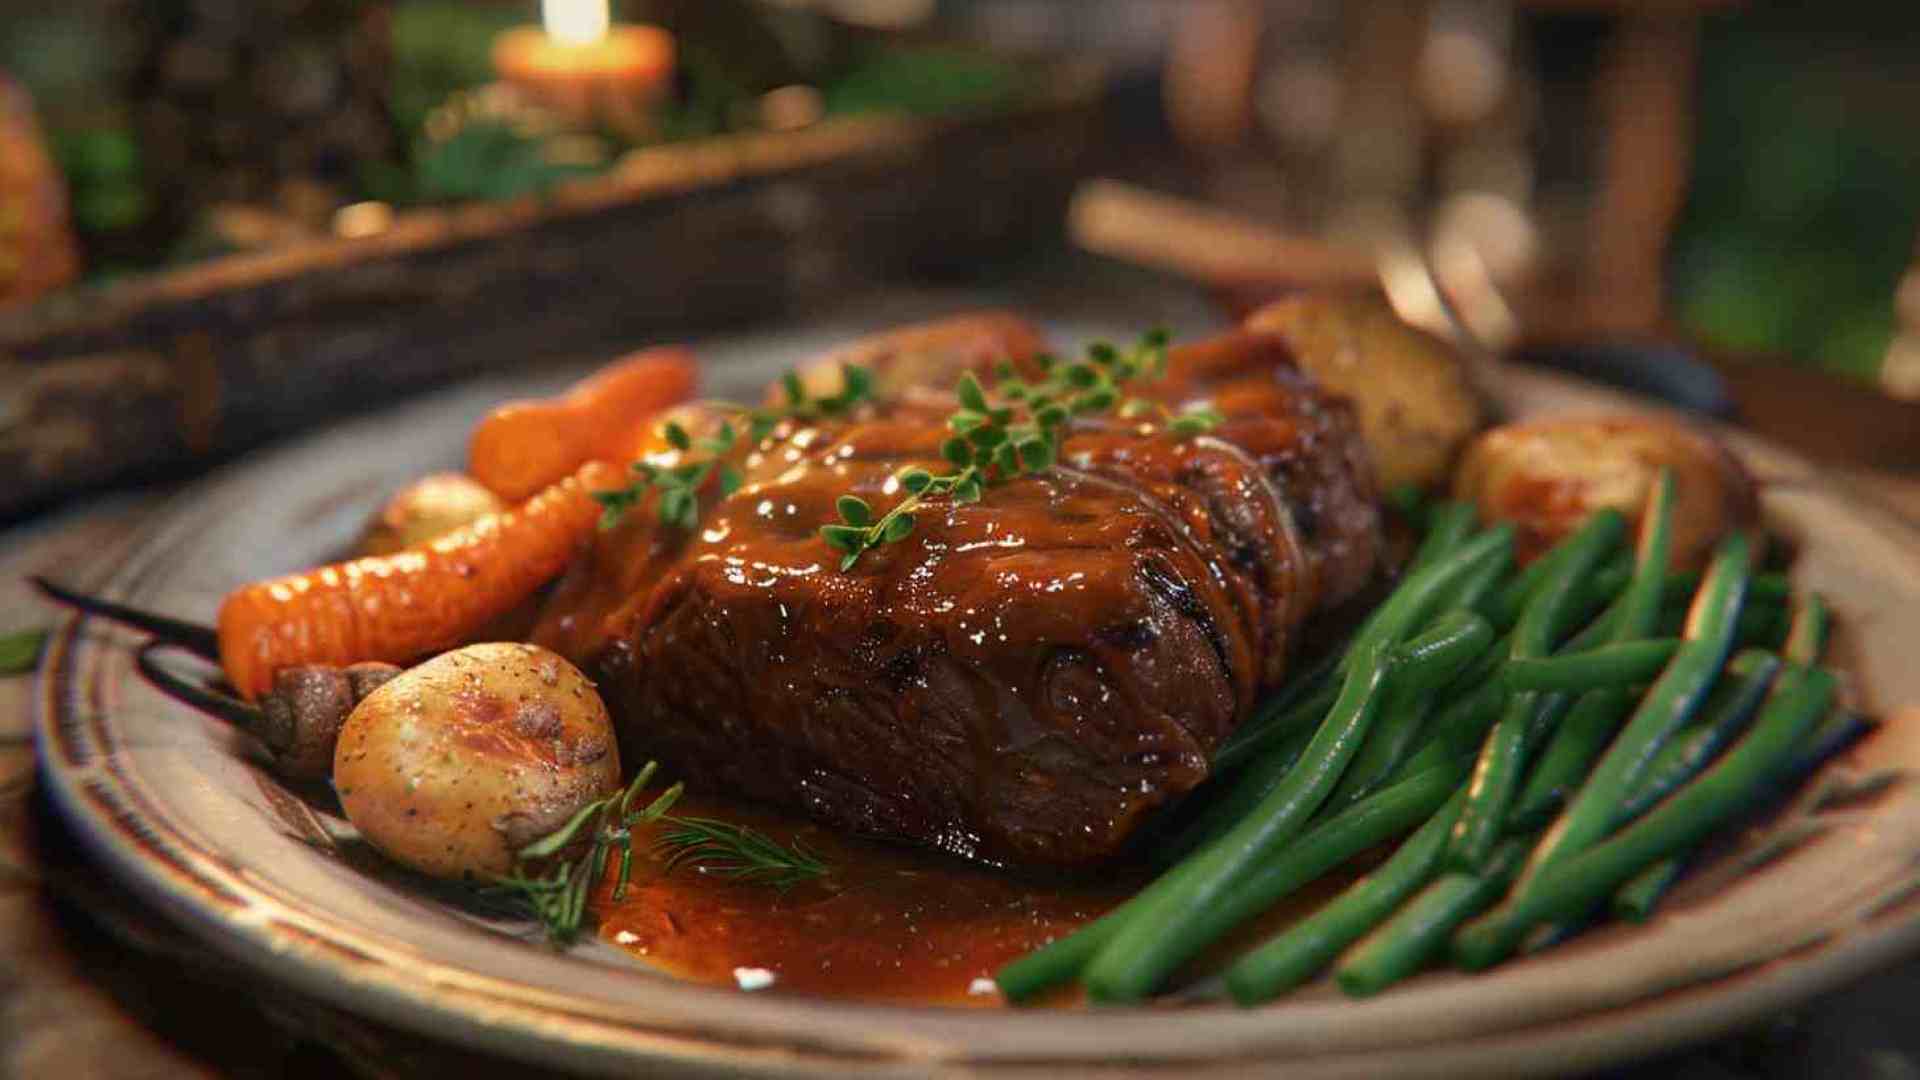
736	851
679	486
1017	431
555	889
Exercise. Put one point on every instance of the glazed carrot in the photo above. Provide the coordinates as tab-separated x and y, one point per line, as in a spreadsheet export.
397	608
523	446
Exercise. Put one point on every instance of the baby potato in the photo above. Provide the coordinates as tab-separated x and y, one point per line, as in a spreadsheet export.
1546	476
430	507
1416	406
456	764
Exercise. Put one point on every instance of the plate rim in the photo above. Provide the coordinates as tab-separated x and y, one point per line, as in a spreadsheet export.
446	1003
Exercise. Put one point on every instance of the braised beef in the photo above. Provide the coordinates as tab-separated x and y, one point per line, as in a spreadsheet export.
1022	679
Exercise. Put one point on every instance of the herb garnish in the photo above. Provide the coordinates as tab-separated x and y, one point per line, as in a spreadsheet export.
1017	431
736	851
556	891
679	486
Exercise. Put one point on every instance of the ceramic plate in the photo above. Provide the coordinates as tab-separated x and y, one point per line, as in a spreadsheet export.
176	804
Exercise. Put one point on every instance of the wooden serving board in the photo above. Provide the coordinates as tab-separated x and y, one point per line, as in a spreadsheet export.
174	805
151	375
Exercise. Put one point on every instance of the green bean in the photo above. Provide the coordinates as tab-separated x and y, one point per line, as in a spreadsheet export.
1426	664
1273	726
1472	702
1632	663
1301	702
1636	900
1593	720
1761	623
1475	593
1840	727
1411	503
1505	606
1664	709
1420	929
1295	955
1152	942
1361	827
1805	644
1228	807
1724	713
1640	605
1770	588
1807	636
1568	887
1576	742
1458	729
1059	961
1447	528
1432	658
1497	774
1419	595
1421	666
1223	809
1475	699
1577	738
1158	937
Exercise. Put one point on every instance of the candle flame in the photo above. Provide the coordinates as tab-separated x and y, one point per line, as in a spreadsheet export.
575	22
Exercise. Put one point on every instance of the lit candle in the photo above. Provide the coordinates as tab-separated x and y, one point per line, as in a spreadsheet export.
586	68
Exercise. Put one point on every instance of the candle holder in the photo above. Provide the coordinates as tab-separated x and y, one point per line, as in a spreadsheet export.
616	80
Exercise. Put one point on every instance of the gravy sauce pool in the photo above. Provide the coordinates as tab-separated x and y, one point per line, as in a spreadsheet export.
887	923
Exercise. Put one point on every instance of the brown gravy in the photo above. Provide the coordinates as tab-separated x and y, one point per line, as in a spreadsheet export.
888	923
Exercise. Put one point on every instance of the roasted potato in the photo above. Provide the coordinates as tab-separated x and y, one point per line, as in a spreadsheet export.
1416	406
456	764
1547	475
430	507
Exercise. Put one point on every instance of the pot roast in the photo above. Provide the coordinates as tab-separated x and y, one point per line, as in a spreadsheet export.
1023	679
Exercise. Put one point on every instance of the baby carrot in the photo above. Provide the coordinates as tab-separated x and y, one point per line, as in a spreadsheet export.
399	607
524	446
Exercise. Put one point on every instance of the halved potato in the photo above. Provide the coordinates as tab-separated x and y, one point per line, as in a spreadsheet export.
1546	476
1416	405
454	765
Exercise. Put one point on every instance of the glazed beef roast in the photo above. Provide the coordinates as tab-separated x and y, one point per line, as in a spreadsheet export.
1022	679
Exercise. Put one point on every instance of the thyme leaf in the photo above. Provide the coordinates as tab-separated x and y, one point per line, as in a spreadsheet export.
1015	428
678	488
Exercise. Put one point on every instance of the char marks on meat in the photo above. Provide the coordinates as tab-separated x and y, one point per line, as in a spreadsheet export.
1022	679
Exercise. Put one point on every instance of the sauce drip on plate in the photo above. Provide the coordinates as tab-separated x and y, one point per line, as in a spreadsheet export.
887	923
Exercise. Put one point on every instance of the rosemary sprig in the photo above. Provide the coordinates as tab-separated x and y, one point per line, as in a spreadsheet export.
1016	430
735	851
20	651
555	889
679	485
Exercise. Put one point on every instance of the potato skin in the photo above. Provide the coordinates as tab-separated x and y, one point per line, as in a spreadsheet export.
1416	405
455	764
1545	476
426	509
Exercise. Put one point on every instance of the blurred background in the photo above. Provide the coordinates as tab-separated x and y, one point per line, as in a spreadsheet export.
224	213
224	222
